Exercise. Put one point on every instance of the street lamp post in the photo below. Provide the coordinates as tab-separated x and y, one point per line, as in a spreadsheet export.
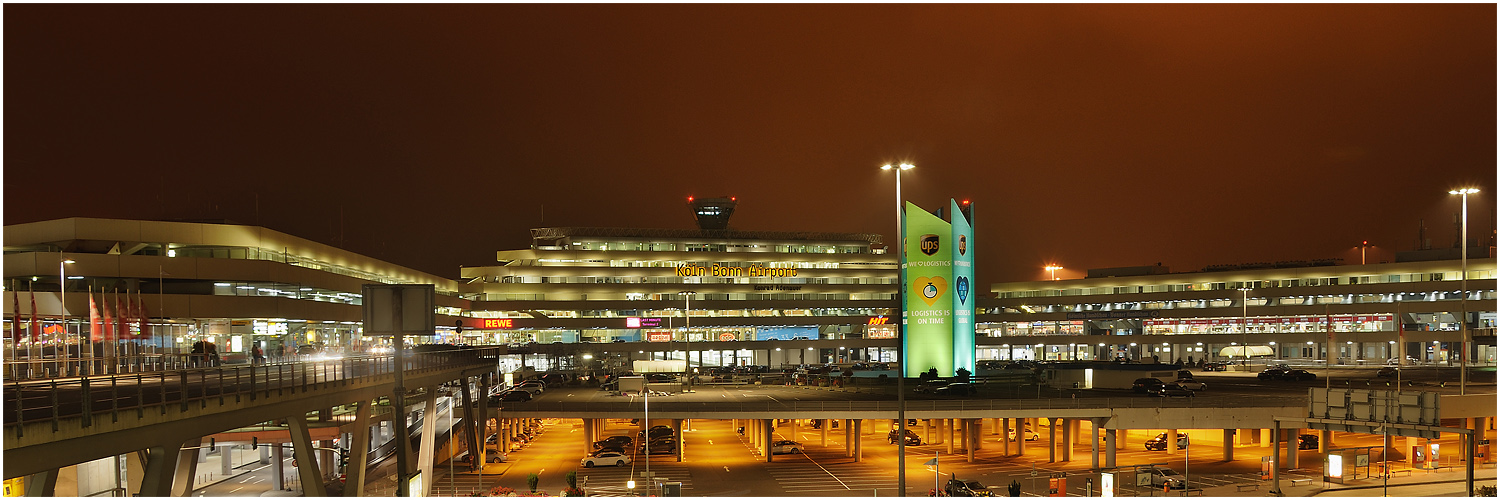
687	296
62	286
1053	269
1463	300
937	474
900	245
1245	325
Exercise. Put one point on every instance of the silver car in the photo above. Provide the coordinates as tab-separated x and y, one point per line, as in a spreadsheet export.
1165	476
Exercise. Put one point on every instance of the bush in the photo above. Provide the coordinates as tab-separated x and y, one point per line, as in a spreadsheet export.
531	481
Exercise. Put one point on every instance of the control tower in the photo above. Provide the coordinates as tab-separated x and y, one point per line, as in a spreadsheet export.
712	213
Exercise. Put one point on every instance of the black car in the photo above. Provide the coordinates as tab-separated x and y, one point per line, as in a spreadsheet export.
1307	442
1297	375
659	431
1159	443
1213	366
1271	374
511	395
661	445
911	437
1387	372
957	389
960	488
1146	384
616	441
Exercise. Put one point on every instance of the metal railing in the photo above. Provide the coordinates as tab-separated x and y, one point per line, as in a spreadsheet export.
105	397
662	405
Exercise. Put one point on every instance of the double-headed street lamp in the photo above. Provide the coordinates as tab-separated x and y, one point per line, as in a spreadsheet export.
1463	301
900	245
1245	325
1052	269
62	285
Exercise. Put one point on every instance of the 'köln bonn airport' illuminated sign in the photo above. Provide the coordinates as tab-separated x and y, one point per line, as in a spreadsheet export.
937	271
736	271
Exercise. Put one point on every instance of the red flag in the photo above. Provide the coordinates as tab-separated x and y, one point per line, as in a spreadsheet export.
36	321
121	328
140	315
96	324
109	320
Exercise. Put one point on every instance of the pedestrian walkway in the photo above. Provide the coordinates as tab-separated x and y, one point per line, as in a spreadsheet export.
1441	482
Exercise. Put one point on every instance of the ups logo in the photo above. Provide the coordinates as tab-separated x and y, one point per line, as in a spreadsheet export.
930	244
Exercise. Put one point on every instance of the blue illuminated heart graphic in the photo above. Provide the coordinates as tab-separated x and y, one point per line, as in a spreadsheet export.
963	289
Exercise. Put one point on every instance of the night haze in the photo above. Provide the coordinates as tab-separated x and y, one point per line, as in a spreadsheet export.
1087	136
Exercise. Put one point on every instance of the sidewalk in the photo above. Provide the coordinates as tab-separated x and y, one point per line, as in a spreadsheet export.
1442	482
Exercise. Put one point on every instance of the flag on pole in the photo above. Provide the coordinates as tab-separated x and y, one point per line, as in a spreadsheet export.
122	329
36	323
109	319
96	324
140	315
15	319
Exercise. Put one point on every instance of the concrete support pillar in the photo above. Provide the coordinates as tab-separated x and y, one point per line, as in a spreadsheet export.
1069	426
825	423
677	431
1051	439
1111	441
768	437
1021	437
226	465
858	439
927	432
42	484
948	435
1171	441
1412	443
1005	437
265	454
1275	443
848	438
995	429
278	466
1094	443
427	454
156	480
1229	445
1291	447
1265	438
1325	441
971	437
359	451
186	468
307	465
588	434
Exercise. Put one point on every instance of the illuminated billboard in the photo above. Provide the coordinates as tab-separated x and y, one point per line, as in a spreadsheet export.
937	276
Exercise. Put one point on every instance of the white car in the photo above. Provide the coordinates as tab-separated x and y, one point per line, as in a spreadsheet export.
605	458
1190	384
1031	435
785	446
1162	476
534	389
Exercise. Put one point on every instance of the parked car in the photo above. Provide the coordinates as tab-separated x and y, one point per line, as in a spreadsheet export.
619	441
957	389
1171	390
1387	372
607	458
1145	384
1271	374
1191	384
659	431
1159	443
1307	442
1162	476
960	488
513	395
785	446
1214	366
911	437
1031	435
492	455
660	445
1297	375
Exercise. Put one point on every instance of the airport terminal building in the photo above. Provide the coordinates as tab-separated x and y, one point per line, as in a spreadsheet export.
583	297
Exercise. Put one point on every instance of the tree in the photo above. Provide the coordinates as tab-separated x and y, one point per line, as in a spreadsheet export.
531	480
962	375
